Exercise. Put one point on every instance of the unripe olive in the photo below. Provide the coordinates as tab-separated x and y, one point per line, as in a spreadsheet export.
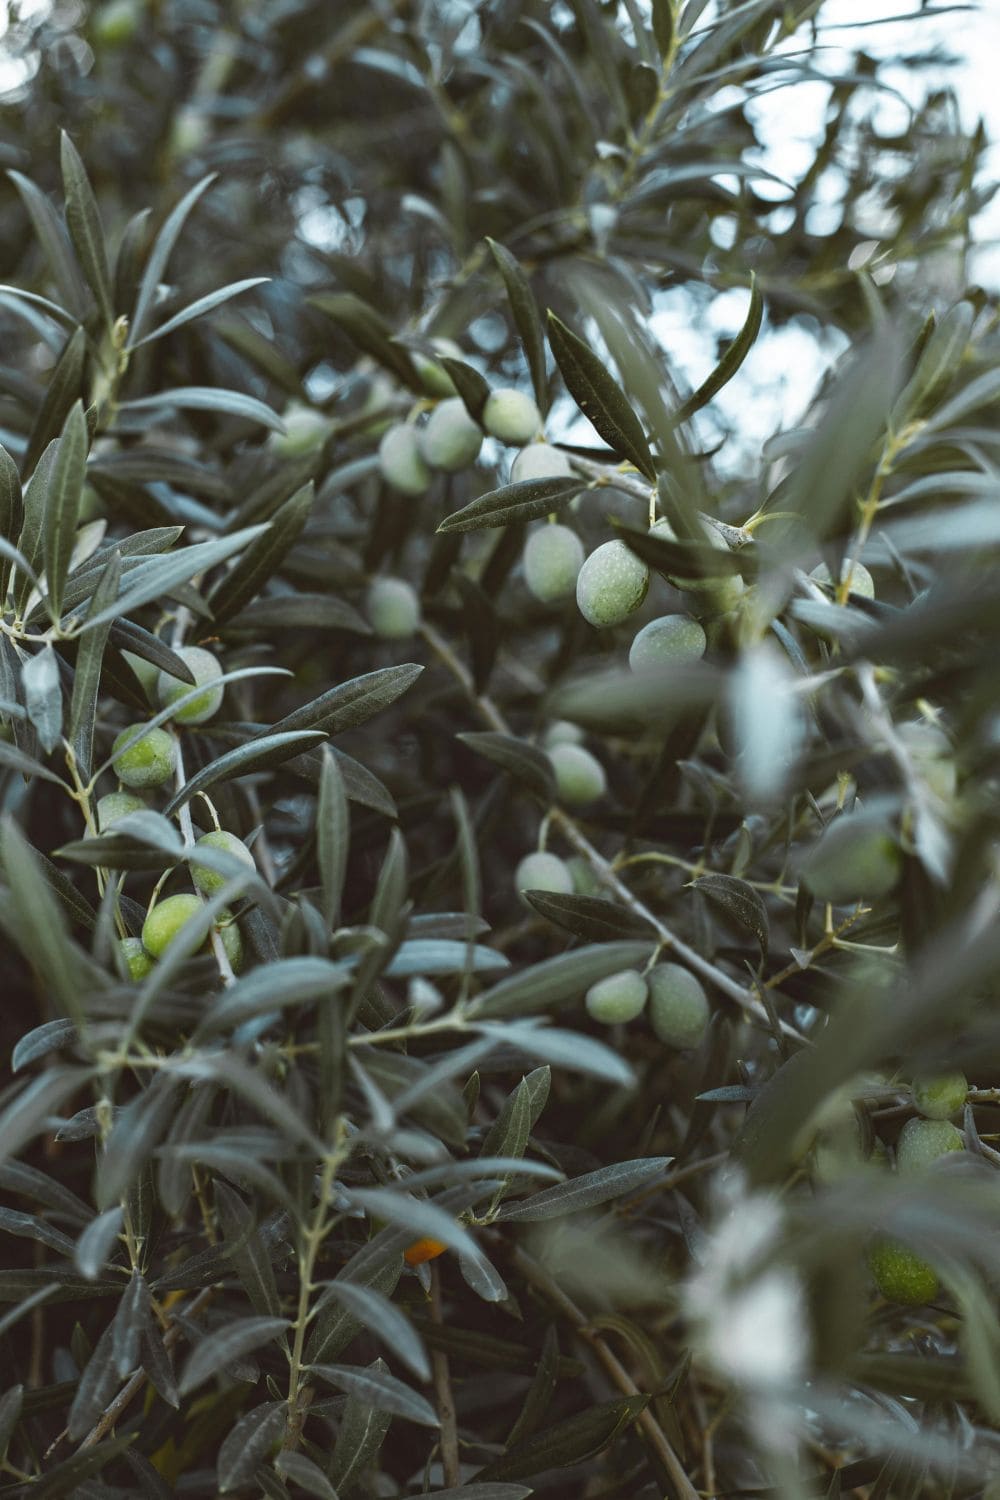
611	585
209	880
619	997
512	416
306	430
667	641
165	922
137	960
451	440
553	557
393	608
678	1006
543	872
401	462
149	762
856	859
922	1142
434	377
562	732
584	877
580	777
540	461
115	23
900	1275
862	582
188	132
115	805
837	1152
941	1095
205	668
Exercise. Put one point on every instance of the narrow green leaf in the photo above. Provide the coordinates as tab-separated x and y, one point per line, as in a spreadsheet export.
247	1251
586	1191
62	506
375	1312
360	1436
735	353
83	220
739	901
69	1476
599	397
97	1242
539	1395
275	986
525	762
526	319
589	917
209	398
569	1442
65	386
351	703
262	558
664	26
160	253
379	1389
52	236
556	981
235	1339
564	1049
333	836
11	514
528	500
305	1474
257	755
197	309
248	1444
473	389
336	1323
28	1112
370	331
43	700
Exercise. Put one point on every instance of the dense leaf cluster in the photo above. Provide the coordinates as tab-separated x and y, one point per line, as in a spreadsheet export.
499	889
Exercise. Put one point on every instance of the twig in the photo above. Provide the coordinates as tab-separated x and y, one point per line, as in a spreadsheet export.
442	1391
653	1432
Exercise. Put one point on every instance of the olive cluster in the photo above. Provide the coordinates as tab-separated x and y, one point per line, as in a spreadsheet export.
146	757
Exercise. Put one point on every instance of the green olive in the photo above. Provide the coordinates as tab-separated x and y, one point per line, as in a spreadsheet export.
580	777
900	1275
115	805
540	461
543	872
511	416
149	762
209	880
451	440
857	858
667	641
922	1142
553	557
941	1095
678	1006
401	462
205	668
306	430
562	732
611	585
137	961
393	608
165	923
619	997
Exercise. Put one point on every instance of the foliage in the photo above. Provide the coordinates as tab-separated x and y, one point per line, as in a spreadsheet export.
354	1169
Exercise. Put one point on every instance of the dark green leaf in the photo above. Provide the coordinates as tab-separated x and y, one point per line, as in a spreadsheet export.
526	319
362	1431
572	1441
556	981
525	501
379	1389
160	254
369	330
87	675
736	352
305	1474
249	1441
43	696
235	1339
352	703
85	229
333	836
262	558
64	388
524	762
96	1243
257	755
664	26
469	384
198	309
587	1191
51	234
587	917
209	398
599	397
375	1312
739	901
246	1249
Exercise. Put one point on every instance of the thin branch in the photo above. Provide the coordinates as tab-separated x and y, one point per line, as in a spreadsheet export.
443	1394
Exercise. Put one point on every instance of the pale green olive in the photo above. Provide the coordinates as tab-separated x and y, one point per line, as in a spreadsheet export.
540	461
206	878
401	461
115	805
856	859
393	608
149	762
451	440
580	777
923	1142
611	585
940	1096
678	1006
137	960
543	872
205	668
666	642
620	997
553	557
511	416
900	1275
